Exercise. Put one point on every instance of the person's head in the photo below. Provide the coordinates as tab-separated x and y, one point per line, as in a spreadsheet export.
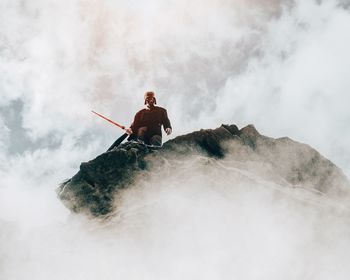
150	99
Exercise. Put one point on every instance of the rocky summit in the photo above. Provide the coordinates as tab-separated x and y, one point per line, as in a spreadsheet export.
94	189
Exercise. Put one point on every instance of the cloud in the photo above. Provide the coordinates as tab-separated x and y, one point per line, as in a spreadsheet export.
298	85
70	58
4	139
281	65
278	64
203	219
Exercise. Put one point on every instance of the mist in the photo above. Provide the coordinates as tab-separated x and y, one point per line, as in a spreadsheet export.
281	65
208	219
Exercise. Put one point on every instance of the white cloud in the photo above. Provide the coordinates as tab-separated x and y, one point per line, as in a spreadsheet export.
210	222
298	86
4	139
281	65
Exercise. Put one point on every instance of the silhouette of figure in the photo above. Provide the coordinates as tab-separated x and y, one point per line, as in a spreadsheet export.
148	122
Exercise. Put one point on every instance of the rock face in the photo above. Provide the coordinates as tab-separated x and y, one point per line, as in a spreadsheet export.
94	188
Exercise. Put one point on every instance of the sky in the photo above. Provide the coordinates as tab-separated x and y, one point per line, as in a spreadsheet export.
281	65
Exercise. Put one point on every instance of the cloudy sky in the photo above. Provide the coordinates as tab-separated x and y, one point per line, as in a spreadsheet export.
281	65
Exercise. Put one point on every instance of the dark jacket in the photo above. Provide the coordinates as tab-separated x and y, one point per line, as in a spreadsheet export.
153	119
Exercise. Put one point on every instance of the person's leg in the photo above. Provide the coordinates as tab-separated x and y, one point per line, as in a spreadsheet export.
117	142
156	140
141	133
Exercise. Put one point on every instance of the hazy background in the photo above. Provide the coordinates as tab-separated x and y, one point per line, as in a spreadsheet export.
280	65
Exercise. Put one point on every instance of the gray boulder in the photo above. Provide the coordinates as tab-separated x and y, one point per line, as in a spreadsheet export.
94	189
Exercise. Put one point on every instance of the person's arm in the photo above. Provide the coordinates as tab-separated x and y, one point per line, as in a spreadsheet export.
135	124
166	123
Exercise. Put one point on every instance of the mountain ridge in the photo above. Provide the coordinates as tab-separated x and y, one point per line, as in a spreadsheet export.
94	189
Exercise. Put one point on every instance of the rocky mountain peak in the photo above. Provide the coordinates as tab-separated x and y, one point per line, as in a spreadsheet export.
94	189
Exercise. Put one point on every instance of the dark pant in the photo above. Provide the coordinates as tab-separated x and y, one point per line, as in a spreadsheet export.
155	140
117	142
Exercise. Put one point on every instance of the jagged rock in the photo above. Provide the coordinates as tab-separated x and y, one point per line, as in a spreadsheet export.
94	188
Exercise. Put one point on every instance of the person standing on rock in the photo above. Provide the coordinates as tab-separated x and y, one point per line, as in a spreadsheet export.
148	122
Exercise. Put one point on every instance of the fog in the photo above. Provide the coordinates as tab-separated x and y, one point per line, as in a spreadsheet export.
281	65
207	219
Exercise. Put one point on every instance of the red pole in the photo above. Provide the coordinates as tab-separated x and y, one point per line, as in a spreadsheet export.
107	119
